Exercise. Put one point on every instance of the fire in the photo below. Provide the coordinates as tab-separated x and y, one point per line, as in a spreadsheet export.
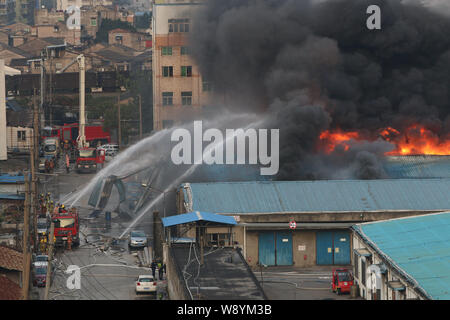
418	140
415	140
330	140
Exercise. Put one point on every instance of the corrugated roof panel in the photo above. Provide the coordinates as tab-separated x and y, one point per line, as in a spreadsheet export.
7	178
401	167
196	216
321	196
418	246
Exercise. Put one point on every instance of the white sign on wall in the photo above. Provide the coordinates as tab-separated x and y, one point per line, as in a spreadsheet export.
301	248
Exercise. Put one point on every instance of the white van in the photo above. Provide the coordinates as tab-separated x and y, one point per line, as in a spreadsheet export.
51	147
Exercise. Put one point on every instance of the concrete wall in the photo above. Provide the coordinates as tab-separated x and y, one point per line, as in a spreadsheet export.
175	285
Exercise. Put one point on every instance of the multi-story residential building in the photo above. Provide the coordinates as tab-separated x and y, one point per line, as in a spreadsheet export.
7	11
137	40
62	5
25	11
45	16
179	92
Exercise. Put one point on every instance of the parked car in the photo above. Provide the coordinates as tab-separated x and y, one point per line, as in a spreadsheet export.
145	283
111	149
137	238
39	276
40	261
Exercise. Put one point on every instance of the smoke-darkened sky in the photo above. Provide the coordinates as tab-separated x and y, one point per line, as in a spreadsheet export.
313	65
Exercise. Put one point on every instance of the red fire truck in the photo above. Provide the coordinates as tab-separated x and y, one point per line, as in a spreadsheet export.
66	222
90	160
94	133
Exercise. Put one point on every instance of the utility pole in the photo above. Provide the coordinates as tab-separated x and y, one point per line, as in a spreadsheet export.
140	116
33	154
119	138
26	230
50	259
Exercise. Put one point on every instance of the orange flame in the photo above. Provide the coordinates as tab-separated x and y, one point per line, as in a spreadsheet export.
419	140
330	140
416	140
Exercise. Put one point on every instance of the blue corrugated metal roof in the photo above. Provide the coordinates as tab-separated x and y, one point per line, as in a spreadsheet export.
319	196
417	167
6	196
418	246
196	216
7	178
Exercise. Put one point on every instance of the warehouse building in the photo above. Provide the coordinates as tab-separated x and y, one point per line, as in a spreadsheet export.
306	223
406	258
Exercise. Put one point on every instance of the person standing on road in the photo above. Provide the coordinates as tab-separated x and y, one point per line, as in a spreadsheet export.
67	162
160	271
153	266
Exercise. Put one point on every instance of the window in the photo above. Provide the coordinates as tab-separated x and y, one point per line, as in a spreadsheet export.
185	51
179	25
167	98
167	71
186	71
206	85
363	272
186	98
93	21
166	51
21	135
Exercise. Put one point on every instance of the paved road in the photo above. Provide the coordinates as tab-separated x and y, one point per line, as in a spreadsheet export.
106	274
286	283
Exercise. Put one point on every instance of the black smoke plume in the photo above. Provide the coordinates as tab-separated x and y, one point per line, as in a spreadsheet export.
310	66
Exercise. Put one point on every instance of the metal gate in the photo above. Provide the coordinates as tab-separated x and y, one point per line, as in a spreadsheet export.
333	247
275	248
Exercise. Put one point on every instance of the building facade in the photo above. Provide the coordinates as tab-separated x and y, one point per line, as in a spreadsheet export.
178	90
403	259
7	11
307	223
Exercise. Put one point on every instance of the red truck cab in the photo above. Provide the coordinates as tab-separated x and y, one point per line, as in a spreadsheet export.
89	160
66	222
342	281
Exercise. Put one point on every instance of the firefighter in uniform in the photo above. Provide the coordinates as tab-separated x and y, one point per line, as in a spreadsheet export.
51	207
43	243
69	241
62	209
